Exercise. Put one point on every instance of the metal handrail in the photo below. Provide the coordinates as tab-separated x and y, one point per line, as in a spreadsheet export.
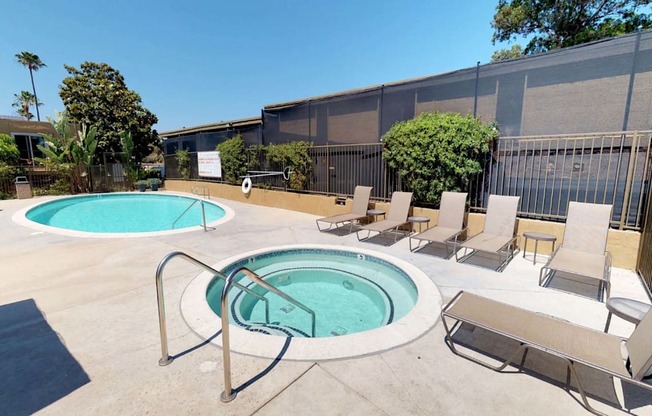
203	214
165	357
228	394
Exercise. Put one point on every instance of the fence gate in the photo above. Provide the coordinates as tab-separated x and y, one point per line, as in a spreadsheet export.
645	254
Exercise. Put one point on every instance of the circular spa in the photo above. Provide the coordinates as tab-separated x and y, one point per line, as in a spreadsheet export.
341	302
122	215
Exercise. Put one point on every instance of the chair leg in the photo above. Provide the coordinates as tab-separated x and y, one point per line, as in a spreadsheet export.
581	389
606	327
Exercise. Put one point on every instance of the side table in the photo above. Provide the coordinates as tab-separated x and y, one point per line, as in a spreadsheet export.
629	309
375	212
420	221
537	237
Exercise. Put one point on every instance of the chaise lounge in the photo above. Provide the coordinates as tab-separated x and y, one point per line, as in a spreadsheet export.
497	236
399	209
626	359
450	224
583	249
361	196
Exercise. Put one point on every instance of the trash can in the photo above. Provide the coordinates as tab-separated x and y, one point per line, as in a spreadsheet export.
23	187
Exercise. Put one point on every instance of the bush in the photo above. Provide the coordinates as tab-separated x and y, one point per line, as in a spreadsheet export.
295	156
233	158
9	152
183	162
436	152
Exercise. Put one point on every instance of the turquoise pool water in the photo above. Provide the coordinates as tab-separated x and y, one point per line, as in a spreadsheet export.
348	292
123	213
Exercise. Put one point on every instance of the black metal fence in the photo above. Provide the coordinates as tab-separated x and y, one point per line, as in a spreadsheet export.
545	171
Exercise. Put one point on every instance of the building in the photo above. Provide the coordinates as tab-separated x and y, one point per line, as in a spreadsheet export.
208	136
27	134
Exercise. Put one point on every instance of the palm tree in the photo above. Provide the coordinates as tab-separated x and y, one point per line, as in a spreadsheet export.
33	63
23	101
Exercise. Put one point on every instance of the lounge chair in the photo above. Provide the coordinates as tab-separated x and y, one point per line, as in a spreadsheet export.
574	344
450	224
583	248
497	236
399	209
361	196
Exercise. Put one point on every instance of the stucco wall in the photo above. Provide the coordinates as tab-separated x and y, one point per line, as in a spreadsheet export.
623	245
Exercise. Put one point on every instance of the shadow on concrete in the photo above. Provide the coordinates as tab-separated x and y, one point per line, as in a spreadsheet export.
434	249
267	369
493	349
576	285
255	378
36	368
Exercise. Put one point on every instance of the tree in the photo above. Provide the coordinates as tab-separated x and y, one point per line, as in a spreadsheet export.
97	95
233	158
33	63
23	102
504	54
9	153
436	152
69	155
552	24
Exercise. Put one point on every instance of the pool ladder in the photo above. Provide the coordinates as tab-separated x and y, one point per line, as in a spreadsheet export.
203	214
228	394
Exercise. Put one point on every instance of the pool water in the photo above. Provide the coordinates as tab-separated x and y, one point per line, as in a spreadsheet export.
123	213
348	292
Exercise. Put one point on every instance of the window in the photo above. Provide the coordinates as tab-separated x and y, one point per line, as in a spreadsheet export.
27	145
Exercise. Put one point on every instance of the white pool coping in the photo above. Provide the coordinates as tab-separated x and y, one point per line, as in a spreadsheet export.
206	323
20	218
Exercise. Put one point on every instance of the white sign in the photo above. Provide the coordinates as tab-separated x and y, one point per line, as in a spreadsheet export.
209	164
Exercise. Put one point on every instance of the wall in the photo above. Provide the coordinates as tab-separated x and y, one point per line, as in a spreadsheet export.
623	245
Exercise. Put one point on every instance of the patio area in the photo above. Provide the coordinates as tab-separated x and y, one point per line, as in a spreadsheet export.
79	333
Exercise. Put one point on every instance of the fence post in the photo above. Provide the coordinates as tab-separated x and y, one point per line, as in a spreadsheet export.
624	214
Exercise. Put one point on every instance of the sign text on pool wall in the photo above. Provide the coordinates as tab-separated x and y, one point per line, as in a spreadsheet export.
209	164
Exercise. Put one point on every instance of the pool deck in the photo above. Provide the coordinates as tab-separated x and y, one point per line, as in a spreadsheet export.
79	333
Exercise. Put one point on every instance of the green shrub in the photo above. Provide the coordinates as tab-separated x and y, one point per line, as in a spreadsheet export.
233	158
150	173
436	152
183	162
9	152
295	156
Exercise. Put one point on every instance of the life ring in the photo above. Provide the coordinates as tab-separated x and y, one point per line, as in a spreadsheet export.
246	186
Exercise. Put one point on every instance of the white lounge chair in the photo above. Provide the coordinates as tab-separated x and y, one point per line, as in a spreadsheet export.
450	223
583	248
497	236
361	196
399	209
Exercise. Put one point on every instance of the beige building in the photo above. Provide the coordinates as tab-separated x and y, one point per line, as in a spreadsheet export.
27	135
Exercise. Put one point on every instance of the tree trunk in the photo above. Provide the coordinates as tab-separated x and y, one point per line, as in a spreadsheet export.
31	75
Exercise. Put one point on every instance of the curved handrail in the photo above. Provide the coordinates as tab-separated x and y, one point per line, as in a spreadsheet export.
228	394
253	276
165	357
203	214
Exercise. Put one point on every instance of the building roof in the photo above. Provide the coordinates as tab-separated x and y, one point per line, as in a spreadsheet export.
348	93
222	125
11	125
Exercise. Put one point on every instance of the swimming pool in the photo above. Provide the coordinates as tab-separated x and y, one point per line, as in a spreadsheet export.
364	302
122	214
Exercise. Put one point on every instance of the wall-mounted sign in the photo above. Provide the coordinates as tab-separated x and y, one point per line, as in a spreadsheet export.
209	164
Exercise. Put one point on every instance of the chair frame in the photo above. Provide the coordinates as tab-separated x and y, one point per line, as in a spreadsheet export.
508	250
453	239
604	286
525	344
395	224
349	217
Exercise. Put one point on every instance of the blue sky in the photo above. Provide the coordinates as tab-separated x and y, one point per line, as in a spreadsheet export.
199	62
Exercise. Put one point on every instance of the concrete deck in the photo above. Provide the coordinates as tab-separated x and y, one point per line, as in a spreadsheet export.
79	334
